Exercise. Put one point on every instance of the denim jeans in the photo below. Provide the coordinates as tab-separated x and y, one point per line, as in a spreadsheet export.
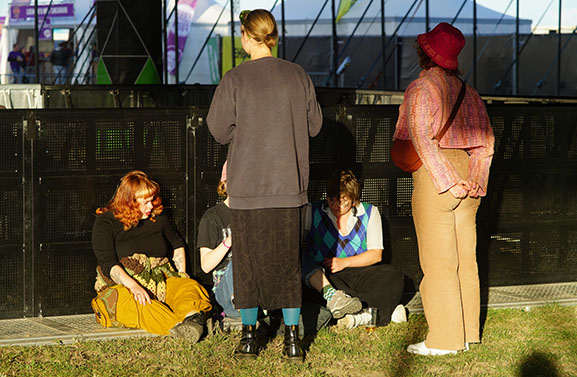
60	74
224	292
17	77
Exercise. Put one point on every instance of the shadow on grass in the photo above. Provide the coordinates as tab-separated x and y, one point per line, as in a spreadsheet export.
538	364
313	318
416	332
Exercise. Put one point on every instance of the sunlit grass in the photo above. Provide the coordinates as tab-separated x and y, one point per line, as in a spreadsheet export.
539	342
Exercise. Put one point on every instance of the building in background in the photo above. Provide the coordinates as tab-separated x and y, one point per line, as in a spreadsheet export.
58	21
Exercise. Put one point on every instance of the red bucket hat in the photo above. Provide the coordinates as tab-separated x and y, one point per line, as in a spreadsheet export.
443	45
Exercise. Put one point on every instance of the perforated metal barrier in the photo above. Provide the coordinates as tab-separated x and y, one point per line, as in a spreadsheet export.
57	167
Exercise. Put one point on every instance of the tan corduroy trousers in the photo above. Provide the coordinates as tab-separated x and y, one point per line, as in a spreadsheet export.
447	240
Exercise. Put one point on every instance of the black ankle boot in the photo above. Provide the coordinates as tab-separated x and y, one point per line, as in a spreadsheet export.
292	343
248	346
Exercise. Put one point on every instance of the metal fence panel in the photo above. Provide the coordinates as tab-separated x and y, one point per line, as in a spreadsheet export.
57	167
13	257
79	156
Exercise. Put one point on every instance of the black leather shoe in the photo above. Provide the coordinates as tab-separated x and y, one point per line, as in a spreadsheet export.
292	344
248	346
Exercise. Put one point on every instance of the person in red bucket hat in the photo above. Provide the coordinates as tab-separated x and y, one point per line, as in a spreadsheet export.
443	45
447	188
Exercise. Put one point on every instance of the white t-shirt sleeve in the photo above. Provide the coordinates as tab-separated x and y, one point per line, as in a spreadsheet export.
375	230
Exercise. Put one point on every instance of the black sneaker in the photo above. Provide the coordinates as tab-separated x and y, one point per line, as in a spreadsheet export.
191	328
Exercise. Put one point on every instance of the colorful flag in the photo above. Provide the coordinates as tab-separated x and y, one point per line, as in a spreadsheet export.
344	7
186	10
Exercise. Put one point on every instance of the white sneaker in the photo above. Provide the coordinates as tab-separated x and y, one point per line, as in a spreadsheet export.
350	321
399	314
468	345
422	349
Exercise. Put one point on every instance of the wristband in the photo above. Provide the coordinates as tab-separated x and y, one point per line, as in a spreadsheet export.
225	245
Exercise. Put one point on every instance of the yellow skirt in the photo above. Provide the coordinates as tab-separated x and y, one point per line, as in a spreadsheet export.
183	297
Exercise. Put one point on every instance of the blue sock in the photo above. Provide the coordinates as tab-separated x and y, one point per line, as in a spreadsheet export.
291	316
248	316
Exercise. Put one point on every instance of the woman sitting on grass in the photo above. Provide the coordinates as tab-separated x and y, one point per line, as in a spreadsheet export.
136	284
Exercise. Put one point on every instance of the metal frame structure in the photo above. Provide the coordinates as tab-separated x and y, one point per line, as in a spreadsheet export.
336	52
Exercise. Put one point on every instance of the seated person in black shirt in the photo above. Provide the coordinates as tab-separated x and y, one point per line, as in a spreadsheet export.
215	241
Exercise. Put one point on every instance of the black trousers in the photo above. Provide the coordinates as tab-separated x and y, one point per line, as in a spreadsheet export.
379	286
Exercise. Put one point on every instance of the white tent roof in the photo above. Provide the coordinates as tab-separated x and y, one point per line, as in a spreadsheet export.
305	11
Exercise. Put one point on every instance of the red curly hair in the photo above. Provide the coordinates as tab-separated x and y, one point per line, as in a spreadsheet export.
134	185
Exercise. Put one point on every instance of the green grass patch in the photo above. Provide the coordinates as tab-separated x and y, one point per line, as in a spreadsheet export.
541	342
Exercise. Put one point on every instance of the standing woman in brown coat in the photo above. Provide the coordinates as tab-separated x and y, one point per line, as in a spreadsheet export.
447	189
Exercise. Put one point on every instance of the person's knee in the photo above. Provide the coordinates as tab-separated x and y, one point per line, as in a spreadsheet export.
314	278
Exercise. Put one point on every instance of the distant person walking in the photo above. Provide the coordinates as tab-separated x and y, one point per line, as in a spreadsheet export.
447	190
60	59
266	110
16	59
30	69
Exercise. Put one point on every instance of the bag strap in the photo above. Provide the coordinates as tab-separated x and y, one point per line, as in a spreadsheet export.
441	132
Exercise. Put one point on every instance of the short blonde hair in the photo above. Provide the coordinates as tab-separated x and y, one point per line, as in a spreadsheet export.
261	26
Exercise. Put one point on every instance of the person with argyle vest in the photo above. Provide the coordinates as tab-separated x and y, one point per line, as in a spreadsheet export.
343	256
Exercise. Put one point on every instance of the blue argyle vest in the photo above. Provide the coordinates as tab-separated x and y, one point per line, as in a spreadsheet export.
325	241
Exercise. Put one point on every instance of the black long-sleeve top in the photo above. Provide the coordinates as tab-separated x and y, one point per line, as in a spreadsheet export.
110	242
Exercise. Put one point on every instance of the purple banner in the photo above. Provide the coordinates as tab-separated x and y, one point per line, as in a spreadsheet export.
21	12
46	31
185	17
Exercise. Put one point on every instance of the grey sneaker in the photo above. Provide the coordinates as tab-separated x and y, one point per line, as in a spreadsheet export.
342	304
231	324
191	328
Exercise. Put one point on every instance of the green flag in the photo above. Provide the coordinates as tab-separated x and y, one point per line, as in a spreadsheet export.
102	75
148	74
344	7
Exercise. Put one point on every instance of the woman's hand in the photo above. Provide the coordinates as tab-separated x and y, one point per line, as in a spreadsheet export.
335	264
120	276
460	190
475	189
140	294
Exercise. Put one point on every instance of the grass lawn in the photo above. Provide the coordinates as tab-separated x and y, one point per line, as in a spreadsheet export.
540	342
